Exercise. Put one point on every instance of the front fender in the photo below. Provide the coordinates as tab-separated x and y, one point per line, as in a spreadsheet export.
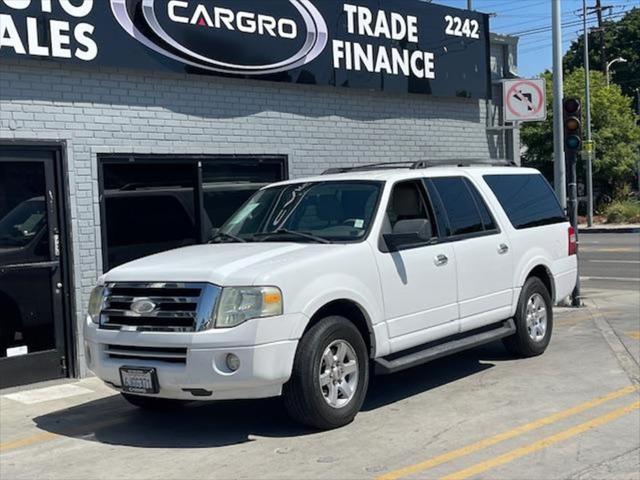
322	291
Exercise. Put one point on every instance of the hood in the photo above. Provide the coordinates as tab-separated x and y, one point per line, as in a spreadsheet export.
226	264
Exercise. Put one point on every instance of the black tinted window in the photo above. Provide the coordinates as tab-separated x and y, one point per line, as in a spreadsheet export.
528	200
228	183
143	223
153	204
150	208
459	204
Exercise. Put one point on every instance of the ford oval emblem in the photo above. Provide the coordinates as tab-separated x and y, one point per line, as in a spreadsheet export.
143	306
220	36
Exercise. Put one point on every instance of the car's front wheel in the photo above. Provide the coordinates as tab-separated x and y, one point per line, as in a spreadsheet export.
330	375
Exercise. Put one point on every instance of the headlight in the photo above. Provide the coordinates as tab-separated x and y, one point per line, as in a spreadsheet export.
95	304
239	304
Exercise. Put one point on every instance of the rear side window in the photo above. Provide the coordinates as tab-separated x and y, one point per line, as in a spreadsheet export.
528	200
464	216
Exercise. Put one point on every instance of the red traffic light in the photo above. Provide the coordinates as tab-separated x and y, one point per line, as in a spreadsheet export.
572	106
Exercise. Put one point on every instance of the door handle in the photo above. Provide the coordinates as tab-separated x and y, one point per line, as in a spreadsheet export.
441	260
503	248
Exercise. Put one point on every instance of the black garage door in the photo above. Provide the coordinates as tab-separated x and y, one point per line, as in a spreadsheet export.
151	204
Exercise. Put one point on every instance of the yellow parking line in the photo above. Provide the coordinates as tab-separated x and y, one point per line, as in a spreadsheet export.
541	444
501	437
25	442
46	436
635	335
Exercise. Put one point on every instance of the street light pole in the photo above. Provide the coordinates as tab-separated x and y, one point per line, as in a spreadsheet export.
560	169
588	148
608	68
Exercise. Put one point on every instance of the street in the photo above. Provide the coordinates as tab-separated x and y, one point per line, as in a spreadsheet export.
610	261
570	413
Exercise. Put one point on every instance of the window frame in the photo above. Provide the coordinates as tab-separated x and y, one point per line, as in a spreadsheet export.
196	161
449	237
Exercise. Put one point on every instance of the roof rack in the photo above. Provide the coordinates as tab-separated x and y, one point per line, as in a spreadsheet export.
420	164
379	166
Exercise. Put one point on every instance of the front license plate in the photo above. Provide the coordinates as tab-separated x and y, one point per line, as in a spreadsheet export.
139	380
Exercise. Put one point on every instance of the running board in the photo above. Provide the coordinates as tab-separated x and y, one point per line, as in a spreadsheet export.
429	352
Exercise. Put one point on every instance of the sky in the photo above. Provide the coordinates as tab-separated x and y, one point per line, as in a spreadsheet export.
519	17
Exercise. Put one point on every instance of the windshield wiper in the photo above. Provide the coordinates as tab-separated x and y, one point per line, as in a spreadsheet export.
284	231
231	236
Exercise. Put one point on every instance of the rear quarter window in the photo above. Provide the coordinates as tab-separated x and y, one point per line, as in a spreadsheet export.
528	200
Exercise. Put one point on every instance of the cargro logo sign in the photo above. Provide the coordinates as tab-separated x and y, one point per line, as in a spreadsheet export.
227	36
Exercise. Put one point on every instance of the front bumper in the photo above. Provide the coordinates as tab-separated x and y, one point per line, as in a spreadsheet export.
264	346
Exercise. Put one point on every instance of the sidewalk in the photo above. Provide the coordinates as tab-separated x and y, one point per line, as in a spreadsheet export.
609	228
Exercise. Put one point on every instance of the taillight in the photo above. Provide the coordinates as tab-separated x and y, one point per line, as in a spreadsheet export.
573	241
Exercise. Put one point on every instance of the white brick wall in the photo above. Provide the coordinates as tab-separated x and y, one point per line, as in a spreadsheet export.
119	111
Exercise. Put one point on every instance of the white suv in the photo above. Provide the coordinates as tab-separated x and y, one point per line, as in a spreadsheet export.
314	281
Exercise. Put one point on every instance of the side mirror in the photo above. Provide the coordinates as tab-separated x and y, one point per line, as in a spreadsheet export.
407	233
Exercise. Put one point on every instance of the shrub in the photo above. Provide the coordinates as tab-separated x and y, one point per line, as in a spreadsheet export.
623	211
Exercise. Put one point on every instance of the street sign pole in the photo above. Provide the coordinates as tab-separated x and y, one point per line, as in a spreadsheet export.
572	180
587	103
559	178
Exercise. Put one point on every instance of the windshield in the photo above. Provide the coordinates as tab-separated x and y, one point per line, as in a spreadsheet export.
322	211
21	224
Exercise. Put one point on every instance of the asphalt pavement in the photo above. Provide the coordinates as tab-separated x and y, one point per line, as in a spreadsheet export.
610	261
572	413
610	274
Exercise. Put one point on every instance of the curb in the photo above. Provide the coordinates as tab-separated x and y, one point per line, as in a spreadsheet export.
625	360
609	230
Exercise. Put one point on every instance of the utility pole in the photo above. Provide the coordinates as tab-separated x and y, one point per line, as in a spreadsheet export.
560	172
638	120
603	52
469	4
588	147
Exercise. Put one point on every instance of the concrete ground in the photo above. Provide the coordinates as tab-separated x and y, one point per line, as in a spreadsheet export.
571	413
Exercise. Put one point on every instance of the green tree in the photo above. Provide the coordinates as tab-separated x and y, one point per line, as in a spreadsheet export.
621	39
614	131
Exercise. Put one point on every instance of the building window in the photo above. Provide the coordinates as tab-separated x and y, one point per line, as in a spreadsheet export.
151	204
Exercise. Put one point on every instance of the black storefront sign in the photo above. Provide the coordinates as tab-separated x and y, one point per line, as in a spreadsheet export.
389	45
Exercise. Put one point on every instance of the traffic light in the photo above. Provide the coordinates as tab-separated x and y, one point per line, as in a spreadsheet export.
572	111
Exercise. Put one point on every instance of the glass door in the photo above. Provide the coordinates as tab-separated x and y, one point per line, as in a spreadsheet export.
32	346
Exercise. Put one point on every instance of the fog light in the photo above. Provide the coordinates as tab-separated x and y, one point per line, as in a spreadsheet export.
233	362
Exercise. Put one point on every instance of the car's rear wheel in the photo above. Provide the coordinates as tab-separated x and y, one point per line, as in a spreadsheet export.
533	319
152	403
330	375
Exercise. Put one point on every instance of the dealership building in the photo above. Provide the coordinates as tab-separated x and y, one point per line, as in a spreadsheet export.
128	127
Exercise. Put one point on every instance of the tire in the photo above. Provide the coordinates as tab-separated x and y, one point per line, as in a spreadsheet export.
305	399
533	298
152	403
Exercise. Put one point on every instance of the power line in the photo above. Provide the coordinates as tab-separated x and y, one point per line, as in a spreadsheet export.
539	30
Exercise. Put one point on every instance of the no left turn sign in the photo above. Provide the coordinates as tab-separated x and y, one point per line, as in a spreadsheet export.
524	100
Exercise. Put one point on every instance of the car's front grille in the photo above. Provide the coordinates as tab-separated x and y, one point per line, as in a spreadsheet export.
172	307
160	354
